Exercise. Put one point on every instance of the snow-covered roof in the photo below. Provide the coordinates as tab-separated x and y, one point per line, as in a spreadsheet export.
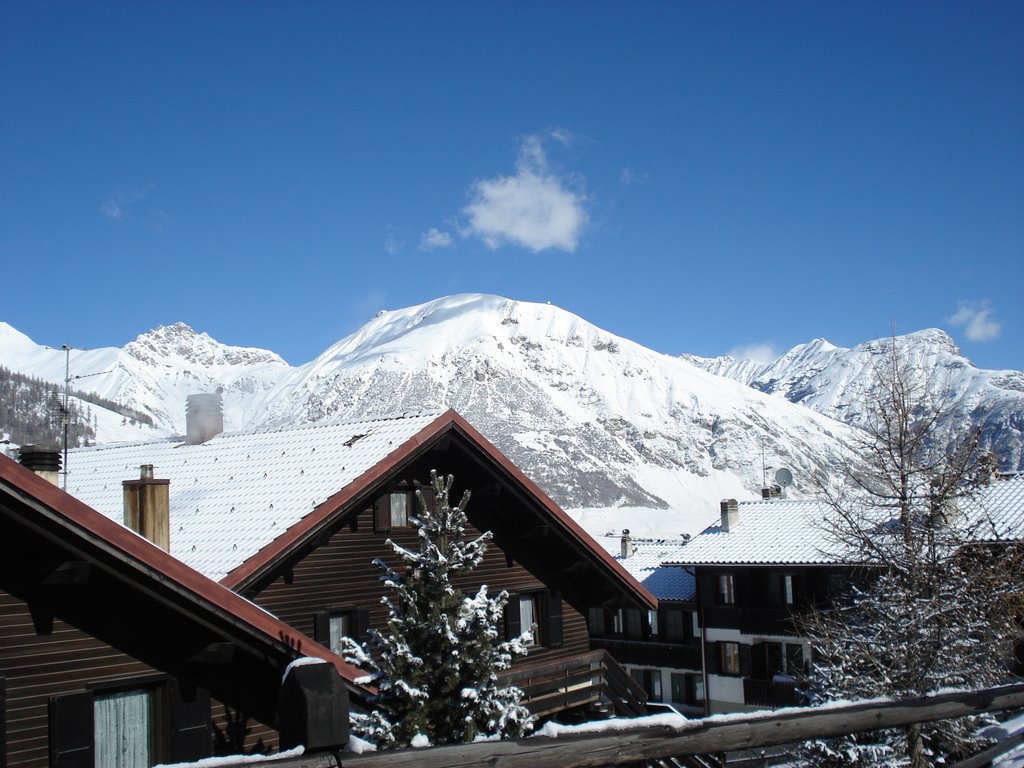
665	582
237	492
791	531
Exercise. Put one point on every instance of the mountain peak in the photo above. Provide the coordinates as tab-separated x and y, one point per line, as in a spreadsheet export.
182	342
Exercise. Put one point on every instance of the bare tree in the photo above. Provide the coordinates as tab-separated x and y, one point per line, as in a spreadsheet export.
935	595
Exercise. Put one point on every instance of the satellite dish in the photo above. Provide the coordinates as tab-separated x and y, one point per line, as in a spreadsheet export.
783	477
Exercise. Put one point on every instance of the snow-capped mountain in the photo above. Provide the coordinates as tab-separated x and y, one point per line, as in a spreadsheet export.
836	382
597	421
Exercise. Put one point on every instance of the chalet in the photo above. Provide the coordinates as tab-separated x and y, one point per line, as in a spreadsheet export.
762	562
293	519
661	649
113	652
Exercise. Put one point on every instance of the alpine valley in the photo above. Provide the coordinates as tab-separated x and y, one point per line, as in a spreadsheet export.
618	433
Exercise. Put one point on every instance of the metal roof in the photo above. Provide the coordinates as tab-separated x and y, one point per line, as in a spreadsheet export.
665	582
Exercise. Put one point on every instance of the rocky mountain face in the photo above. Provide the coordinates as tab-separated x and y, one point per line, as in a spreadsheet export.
596	420
837	382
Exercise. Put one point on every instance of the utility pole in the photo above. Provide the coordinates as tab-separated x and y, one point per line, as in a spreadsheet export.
64	413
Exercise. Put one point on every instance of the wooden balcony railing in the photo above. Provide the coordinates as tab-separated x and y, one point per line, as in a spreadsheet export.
587	678
656	653
769	693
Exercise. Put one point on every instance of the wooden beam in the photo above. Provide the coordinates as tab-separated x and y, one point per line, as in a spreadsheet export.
695	737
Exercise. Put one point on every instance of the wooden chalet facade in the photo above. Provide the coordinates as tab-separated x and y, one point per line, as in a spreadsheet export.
293	520
112	652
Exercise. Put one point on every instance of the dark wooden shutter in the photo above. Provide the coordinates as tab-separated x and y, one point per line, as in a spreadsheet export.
71	730
758	661
322	628
428	498
513	625
744	659
712	656
190	723
3	723
553	633
360	624
382	514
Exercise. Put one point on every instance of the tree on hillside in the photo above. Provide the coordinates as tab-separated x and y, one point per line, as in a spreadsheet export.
436	666
935	602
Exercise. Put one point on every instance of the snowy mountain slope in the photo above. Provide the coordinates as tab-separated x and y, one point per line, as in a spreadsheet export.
596	420
836	382
153	374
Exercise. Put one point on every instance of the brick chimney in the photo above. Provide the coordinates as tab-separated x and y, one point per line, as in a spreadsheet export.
147	507
44	460
730	514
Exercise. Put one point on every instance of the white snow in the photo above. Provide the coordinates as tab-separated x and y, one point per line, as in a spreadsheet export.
216	762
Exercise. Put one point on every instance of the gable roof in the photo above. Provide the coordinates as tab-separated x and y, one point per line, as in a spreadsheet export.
792	532
148	586
243	502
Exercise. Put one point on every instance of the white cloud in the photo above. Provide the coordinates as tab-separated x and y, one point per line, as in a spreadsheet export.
392	244
976	320
629	177
115	207
759	352
535	208
434	238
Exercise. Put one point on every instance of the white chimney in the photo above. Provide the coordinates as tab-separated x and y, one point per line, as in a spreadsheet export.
204	417
730	514
627	544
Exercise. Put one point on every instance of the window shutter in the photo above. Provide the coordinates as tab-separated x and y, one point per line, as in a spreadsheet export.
707	584
712	654
3	723
71	730
744	659
360	623
512	624
382	514
758	661
190	723
553	637
322	628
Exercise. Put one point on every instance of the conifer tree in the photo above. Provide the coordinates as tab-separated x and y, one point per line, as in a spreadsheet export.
436	665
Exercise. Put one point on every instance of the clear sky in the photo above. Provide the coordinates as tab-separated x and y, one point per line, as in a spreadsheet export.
698	177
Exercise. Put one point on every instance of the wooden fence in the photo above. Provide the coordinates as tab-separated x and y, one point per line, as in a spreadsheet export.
711	735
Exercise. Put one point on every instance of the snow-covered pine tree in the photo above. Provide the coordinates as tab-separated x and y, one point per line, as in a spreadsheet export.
436	667
934	606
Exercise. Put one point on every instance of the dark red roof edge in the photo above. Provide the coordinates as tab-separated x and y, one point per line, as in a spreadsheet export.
151	563
447	421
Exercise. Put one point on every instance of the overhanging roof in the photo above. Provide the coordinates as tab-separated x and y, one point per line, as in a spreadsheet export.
164	613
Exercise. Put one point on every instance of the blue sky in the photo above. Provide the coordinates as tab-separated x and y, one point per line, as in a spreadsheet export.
698	177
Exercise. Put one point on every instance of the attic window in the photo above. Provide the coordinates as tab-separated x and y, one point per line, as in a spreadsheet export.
353	440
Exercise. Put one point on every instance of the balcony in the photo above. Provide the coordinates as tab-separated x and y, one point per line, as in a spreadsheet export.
652	653
770	694
759	621
587	679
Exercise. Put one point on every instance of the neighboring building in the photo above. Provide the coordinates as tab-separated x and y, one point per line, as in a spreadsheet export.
293	520
763	562
661	649
112	652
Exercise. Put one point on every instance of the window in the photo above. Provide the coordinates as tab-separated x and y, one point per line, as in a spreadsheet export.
687	689
649	680
541	610
787	589
529	610
399	509
330	626
122	729
726	594
652	623
729	658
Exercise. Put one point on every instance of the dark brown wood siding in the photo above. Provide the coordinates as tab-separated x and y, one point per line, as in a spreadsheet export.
37	667
340	574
